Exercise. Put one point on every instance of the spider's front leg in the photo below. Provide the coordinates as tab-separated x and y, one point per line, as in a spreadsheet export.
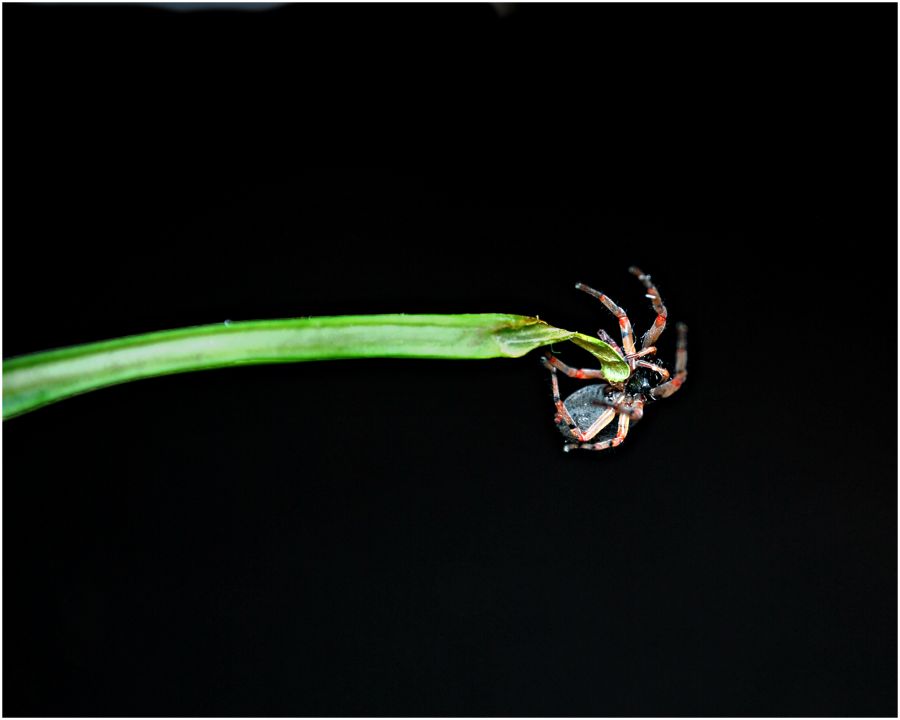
653	295
658	369
624	322
605	337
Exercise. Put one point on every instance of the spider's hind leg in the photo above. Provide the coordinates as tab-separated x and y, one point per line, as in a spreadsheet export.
621	432
563	418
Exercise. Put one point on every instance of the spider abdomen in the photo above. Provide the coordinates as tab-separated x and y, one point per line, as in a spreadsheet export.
588	409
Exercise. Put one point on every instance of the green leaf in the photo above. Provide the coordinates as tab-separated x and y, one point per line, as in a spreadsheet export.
614	366
32	381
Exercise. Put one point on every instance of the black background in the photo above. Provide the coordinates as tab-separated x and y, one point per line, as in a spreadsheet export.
407	537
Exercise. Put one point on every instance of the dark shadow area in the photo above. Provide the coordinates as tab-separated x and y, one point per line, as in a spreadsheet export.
407	537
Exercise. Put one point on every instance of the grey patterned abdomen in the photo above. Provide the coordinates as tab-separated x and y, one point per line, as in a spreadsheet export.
585	407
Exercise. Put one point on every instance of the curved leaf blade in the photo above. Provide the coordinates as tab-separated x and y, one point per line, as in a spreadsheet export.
39	379
614	366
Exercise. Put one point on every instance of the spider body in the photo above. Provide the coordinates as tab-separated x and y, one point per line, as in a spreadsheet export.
641	382
586	412
589	410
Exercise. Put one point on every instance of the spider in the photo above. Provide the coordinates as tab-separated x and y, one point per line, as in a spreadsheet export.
583	414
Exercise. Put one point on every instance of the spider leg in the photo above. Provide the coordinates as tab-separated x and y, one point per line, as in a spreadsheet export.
552	363
562	415
655	368
661	313
621	432
641	353
677	381
624	322
635	410
607	338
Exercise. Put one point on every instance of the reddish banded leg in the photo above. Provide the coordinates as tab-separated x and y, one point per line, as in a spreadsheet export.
676	382
663	373
624	322
562	415
661	313
552	363
607	338
635	410
641	353
621	432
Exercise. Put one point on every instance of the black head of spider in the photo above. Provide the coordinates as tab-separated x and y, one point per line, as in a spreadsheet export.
642	381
